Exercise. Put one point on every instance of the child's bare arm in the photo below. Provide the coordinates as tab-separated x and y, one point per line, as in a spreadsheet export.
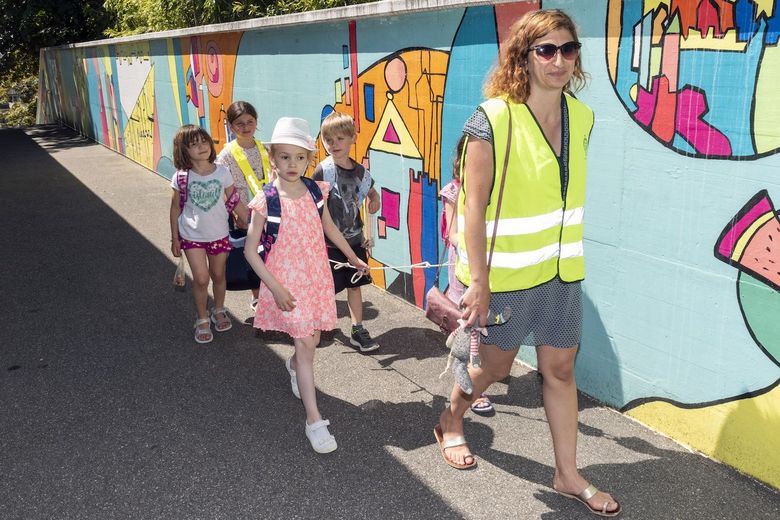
452	223
373	201
174	216
242	215
283	298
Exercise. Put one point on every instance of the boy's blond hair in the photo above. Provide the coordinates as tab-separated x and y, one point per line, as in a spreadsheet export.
337	123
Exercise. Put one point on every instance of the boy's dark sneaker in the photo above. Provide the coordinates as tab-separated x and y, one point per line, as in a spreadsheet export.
361	339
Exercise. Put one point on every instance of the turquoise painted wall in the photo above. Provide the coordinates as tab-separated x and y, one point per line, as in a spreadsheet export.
682	295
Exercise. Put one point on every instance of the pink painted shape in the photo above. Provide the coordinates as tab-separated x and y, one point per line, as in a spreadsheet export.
195	57
726	246
705	138
391	136
103	118
194	98
391	208
670	59
381	227
645	102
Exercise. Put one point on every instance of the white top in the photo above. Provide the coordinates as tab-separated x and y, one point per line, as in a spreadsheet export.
204	218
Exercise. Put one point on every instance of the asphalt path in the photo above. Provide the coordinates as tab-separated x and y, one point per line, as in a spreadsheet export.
110	409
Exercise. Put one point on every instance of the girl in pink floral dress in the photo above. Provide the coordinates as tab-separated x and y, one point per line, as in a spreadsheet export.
297	295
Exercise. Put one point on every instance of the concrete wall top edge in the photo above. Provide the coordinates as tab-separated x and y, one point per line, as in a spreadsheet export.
370	10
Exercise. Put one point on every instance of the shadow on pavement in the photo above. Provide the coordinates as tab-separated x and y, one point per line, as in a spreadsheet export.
111	408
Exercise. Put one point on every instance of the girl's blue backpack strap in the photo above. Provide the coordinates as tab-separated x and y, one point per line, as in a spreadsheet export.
315	192
271	231
274	219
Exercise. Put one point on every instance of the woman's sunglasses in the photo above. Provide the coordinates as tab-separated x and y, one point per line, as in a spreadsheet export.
547	51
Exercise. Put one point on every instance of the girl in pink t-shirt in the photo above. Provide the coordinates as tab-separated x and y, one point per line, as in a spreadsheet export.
203	195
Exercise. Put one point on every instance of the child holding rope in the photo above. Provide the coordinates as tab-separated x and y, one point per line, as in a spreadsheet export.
350	184
296	295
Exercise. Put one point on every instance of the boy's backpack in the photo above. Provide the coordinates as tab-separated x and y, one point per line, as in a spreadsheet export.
182	181
274	205
329	175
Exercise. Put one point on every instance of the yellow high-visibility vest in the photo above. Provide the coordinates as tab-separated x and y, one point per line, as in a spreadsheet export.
255	183
539	234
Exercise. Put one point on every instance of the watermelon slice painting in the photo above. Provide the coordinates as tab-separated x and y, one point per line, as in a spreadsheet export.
751	243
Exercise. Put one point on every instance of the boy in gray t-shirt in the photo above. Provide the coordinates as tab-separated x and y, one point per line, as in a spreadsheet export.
350	184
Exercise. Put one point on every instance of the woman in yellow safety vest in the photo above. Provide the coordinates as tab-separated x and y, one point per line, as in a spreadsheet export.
537	264
246	158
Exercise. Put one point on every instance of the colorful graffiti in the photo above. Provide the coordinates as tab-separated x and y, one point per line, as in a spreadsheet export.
697	76
725	428
682	69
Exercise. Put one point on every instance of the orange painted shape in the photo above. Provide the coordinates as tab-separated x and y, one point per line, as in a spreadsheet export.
377	275
659	17
227	46
614	25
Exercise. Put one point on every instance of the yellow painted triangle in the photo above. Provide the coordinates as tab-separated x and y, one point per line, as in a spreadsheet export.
392	136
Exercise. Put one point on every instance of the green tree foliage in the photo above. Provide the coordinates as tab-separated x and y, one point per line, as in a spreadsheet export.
28	25
140	16
22	112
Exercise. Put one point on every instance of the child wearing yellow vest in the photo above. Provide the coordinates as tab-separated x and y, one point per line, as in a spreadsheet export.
246	158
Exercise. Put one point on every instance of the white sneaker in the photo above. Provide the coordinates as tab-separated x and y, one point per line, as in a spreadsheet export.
320	438
293	378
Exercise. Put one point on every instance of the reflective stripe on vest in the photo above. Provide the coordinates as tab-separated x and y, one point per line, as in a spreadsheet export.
539	235
255	184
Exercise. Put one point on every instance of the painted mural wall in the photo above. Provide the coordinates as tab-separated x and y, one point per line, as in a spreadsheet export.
682	296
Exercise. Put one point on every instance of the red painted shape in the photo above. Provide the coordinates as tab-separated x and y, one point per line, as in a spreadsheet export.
665	106
507	14
708	17
156	147
414	224
354	73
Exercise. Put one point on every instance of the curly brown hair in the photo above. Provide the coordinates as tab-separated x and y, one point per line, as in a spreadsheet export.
510	77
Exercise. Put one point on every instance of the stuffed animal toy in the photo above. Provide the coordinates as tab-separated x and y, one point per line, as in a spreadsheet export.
464	348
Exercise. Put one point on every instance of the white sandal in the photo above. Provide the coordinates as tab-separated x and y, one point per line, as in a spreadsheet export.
293	378
203	332
227	321
320	438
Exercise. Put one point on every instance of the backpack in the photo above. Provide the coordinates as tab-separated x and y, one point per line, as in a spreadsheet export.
274	205
329	175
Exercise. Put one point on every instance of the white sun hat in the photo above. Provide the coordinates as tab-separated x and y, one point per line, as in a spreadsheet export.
293	130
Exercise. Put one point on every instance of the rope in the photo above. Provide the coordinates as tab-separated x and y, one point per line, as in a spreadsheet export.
358	275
